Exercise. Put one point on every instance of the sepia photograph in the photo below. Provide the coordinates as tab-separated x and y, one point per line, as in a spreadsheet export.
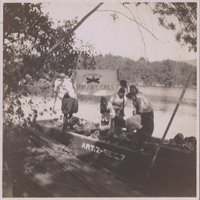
100	99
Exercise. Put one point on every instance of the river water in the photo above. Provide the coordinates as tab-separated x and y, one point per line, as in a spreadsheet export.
185	120
164	101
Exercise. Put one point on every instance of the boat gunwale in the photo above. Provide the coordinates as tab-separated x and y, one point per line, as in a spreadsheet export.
109	144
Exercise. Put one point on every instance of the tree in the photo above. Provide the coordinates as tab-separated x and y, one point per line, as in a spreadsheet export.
28	33
169	15
34	49
166	73
186	14
142	60
32	46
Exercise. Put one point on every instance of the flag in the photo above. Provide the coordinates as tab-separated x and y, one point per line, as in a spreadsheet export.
97	82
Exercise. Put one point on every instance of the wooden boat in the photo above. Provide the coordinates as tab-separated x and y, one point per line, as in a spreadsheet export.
174	172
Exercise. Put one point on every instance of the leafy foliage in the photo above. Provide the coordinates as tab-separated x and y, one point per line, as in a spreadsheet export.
28	34
180	17
166	73
186	14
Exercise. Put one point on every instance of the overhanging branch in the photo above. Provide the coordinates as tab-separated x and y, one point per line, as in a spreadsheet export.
135	22
138	28
72	30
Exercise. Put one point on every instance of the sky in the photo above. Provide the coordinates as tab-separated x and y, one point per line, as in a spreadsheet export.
122	36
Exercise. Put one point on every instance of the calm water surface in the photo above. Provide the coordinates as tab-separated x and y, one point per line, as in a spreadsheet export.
164	101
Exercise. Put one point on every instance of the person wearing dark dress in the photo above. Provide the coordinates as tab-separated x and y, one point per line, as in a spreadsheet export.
69	100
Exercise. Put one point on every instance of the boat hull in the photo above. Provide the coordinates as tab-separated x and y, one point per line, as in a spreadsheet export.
174	172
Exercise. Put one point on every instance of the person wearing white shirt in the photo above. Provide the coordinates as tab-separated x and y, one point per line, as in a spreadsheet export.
118	102
69	100
145	109
58	101
106	113
69	85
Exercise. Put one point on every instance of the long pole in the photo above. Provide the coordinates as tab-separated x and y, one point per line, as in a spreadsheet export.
53	110
168	126
73	29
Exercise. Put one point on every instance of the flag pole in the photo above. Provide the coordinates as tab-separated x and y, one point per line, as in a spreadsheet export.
168	126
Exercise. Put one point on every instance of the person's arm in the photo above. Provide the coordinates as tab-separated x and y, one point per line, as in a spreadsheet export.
140	104
134	108
111	99
125	101
114	104
99	114
128	88
99	109
54	86
64	106
112	112
57	85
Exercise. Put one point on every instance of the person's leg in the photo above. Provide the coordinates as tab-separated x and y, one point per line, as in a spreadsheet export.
119	122
141	141
72	106
134	137
75	105
148	123
147	130
65	121
70	115
110	133
108	136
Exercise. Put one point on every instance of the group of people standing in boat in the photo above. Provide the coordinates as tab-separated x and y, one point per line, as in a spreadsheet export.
140	125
